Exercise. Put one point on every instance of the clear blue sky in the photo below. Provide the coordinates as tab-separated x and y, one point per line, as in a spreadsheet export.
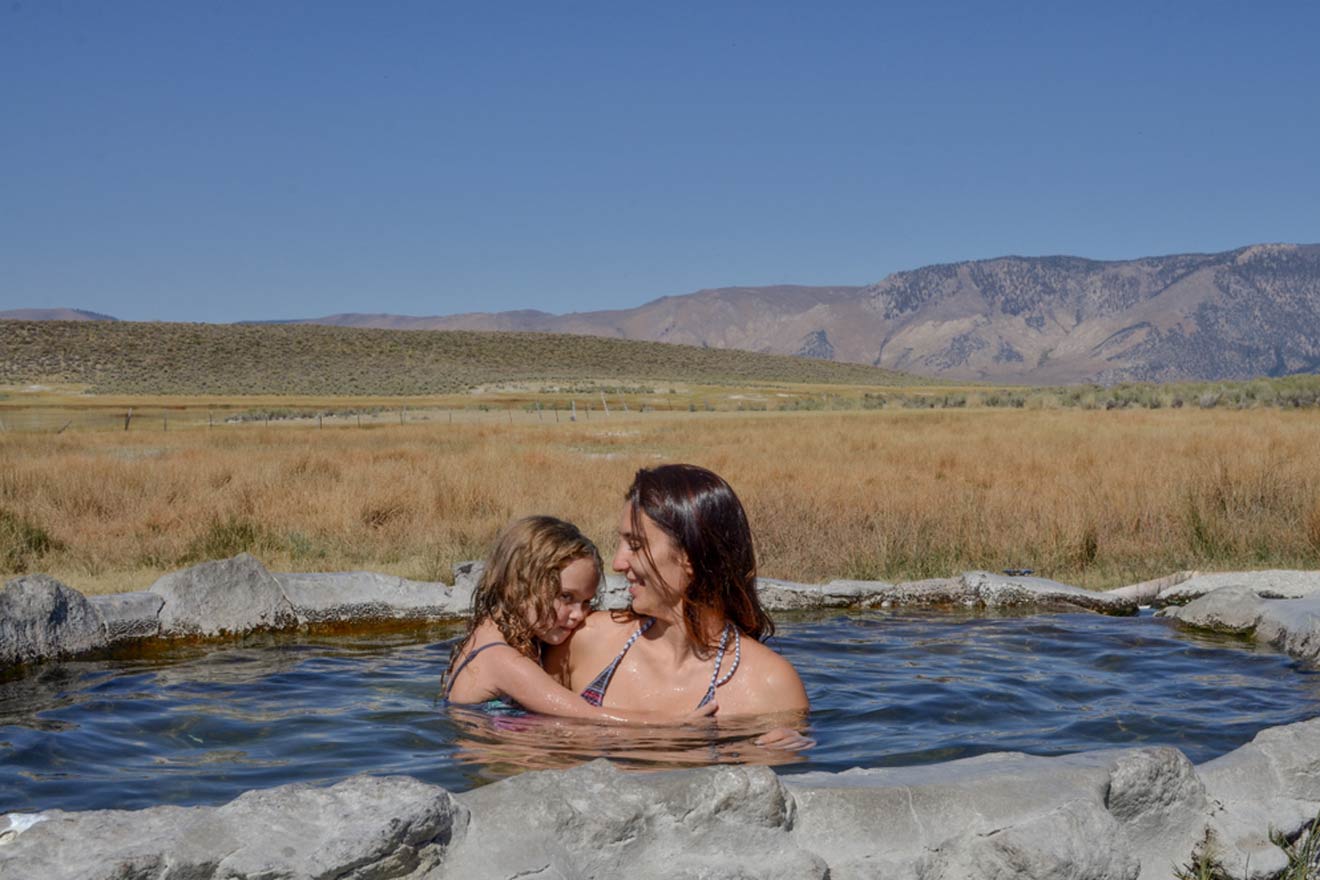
219	160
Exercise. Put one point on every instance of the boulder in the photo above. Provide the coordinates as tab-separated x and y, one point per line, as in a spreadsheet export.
41	617
230	596
1227	609
129	615
1266	584
1292	626
1273	782
345	597
1109	814
1288	625
599	821
1005	591
363	827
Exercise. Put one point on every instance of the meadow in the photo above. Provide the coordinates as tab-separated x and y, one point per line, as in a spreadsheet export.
1092	496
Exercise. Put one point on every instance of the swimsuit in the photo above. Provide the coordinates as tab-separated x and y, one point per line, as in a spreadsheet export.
594	693
497	706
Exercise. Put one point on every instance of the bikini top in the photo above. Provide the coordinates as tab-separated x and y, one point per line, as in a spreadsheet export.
594	693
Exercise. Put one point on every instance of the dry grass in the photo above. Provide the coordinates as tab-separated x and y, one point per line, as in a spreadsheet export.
1089	497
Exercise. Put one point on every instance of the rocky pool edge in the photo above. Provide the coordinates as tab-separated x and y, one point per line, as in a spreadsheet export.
1118	813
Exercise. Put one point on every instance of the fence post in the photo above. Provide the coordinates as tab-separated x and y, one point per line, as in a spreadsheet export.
573	417
128	417
603	405
318	421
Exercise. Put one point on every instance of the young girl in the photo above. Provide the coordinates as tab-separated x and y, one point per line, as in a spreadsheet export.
537	588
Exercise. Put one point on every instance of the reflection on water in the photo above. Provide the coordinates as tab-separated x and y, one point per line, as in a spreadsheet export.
500	746
200	724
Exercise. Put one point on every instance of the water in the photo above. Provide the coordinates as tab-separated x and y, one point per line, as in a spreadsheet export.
203	724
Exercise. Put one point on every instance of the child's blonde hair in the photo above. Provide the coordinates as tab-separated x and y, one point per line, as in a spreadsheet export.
522	575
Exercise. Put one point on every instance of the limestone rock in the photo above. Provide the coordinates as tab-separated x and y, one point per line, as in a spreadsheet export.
1004	591
129	615
1114	814
363	827
1266	584
599	821
1235	609
1147	592
228	596
1272	782
41	617
612	594
1288	625
367	596
1292	626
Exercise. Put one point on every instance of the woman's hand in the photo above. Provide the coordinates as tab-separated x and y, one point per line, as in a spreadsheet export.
700	712
784	739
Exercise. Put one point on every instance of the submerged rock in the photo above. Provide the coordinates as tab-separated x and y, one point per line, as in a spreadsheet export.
231	596
41	617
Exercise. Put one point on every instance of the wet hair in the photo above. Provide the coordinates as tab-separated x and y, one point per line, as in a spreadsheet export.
522	575
701	514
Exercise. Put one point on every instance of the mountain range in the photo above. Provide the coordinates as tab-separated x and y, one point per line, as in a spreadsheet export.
1252	311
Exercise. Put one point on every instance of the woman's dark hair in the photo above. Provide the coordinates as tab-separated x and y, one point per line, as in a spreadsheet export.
699	511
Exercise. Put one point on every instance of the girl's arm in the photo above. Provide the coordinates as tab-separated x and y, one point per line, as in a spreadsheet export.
525	682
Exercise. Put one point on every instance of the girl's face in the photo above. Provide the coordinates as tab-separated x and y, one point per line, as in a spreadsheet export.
657	590
577	589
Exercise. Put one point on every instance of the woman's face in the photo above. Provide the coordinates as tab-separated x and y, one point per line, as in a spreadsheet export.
577	589
657	591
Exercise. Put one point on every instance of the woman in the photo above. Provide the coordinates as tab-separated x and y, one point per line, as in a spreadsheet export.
693	633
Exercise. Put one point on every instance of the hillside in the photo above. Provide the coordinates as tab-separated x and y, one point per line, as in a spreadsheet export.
139	358
53	315
1250	312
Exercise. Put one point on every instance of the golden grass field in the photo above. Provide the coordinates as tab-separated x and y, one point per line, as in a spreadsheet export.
1092	497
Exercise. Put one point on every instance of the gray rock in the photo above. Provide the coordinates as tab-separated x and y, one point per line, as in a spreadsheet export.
1292	626
1111	814
231	596
1273	782
1004	591
1228	609
973	588
1266	584
129	615
612	594
598	821
1288	625
41	617
1147	592
364	828
366	596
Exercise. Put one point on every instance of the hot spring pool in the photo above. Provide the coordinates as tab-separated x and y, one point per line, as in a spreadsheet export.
202	724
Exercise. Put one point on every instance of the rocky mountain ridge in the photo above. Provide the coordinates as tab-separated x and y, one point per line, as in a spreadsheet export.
1249	312
1253	311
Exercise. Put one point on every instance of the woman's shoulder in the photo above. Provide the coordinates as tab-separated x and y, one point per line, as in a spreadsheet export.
771	678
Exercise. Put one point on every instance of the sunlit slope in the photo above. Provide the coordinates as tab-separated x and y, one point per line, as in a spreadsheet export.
159	358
